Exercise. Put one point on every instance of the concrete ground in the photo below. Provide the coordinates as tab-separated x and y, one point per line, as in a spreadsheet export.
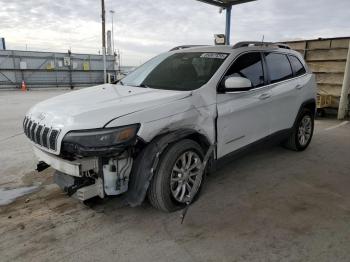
270	205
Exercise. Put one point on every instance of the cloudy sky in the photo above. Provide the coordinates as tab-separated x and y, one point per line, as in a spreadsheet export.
144	28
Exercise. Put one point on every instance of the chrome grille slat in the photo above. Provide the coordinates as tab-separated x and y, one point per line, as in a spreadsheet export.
32	131
53	139
25	123
35	128
28	128
25	126
45	136
40	134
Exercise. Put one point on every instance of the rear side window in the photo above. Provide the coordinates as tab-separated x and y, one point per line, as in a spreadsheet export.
279	67
248	66
297	66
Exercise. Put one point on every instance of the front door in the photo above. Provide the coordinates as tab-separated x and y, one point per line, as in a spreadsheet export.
243	117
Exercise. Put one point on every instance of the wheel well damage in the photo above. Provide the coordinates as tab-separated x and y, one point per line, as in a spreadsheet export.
147	160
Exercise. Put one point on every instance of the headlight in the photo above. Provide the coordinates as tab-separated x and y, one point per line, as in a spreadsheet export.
105	137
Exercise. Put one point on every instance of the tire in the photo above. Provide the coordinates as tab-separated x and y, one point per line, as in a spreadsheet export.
295	142
162	190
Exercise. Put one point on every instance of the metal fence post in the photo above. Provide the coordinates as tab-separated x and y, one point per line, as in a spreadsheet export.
55	64
14	67
70	69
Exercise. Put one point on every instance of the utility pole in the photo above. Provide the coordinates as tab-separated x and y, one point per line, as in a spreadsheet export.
104	40
228	24
344	101
112	14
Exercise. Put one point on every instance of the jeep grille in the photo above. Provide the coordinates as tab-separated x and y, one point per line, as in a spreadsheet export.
40	134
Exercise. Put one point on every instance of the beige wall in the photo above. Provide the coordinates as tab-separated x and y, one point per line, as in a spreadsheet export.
326	58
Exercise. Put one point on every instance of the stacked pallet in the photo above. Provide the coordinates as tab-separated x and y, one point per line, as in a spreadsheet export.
326	58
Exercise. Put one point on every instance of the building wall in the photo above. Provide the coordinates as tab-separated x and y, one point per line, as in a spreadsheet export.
326	58
44	69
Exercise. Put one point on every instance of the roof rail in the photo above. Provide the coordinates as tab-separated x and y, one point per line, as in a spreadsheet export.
184	47
262	44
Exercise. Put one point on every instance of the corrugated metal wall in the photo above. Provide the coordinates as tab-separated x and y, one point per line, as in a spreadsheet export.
326	58
44	69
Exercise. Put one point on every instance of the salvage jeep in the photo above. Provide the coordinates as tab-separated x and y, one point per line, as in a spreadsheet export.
158	131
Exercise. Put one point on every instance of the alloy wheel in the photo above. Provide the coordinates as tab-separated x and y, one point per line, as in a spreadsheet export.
186	176
305	130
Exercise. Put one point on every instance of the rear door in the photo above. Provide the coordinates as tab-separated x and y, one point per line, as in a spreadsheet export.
242	116
283	102
302	81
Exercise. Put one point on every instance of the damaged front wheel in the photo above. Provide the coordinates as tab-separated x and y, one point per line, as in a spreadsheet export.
178	176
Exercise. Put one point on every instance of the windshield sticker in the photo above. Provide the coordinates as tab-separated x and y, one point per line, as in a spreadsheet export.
214	55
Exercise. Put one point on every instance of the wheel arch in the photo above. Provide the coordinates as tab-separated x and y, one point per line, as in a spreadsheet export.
308	104
147	160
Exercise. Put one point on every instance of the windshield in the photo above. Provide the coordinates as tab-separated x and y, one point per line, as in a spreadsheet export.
180	71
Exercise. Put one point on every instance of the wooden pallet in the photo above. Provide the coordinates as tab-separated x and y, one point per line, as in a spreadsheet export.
324	100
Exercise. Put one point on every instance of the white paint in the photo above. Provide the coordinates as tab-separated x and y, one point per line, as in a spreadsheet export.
337	126
7	196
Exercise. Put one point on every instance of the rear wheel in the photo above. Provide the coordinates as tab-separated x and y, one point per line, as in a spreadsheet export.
303	131
177	176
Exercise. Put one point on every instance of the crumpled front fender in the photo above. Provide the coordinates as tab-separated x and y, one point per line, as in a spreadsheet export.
146	164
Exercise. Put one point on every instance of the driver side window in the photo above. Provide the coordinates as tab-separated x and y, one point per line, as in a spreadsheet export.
248	66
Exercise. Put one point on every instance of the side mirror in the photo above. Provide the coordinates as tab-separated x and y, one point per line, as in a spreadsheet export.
237	83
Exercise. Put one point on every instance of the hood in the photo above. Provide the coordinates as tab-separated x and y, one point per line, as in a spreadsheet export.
94	107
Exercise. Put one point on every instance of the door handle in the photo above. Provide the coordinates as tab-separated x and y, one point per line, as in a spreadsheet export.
264	96
299	87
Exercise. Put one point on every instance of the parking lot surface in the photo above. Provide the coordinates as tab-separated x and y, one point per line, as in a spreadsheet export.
269	205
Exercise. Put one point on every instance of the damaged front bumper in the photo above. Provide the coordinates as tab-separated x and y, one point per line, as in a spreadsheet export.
77	168
88	177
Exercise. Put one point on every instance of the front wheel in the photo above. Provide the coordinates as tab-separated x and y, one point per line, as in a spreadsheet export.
178	176
303	131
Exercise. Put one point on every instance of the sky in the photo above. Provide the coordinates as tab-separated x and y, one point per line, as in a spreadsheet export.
145	28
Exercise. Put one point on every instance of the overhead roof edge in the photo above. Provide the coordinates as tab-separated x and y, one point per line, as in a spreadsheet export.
225	3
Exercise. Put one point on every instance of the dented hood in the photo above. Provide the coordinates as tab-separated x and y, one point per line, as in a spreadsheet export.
94	107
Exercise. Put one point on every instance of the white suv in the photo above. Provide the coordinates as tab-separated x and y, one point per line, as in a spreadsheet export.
153	133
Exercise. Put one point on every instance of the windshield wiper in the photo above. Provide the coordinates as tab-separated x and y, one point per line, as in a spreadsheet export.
141	85
144	86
